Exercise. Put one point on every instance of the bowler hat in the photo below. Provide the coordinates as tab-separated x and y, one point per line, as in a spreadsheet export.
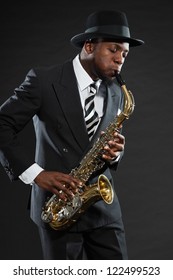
106	25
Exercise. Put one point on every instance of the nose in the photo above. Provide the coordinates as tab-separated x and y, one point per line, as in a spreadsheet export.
119	58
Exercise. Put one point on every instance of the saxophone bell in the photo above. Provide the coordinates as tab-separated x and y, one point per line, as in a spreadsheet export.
105	189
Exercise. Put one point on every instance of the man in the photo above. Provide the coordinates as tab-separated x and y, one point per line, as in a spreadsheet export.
55	98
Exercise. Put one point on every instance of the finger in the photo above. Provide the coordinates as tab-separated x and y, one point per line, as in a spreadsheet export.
119	137
61	195
109	153
114	146
109	157
65	189
70	181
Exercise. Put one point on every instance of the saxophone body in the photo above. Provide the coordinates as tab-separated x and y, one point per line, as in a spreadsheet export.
61	214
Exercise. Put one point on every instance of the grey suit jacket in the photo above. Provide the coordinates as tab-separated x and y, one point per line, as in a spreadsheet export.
50	96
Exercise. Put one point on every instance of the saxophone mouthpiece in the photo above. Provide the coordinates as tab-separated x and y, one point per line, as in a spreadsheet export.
119	79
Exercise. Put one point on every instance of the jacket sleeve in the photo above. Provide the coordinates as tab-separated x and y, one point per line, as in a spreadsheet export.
15	114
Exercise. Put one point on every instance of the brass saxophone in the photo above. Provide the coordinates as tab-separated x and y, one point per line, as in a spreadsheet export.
62	214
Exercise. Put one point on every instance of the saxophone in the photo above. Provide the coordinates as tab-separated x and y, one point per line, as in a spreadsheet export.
61	214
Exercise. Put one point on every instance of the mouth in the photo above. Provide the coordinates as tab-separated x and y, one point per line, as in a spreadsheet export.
114	72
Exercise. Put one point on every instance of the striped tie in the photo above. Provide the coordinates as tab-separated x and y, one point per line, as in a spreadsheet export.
91	116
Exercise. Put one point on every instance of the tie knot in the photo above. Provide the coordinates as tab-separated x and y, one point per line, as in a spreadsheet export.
93	88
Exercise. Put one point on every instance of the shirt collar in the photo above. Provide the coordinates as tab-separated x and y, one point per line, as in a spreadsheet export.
83	79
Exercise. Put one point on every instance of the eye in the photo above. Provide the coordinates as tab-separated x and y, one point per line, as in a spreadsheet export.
125	54
112	50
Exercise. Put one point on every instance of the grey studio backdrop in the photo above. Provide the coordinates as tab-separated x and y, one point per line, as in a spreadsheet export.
37	33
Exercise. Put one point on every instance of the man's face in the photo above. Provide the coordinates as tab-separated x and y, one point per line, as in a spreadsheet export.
107	59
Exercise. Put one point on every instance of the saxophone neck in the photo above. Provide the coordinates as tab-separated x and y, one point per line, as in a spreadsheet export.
129	102
120	80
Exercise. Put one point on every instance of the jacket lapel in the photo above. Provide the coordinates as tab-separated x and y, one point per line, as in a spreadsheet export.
68	96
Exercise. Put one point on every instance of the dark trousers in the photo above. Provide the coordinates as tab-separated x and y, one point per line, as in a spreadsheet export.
106	243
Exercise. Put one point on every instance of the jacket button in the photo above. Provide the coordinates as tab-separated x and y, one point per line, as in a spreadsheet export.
65	150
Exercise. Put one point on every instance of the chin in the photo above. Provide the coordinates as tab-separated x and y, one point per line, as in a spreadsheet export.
109	80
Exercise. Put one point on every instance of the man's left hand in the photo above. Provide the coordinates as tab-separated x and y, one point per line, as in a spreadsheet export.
114	147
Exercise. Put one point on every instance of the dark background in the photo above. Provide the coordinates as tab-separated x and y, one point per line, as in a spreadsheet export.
37	33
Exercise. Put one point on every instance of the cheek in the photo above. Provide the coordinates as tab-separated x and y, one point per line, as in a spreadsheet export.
104	62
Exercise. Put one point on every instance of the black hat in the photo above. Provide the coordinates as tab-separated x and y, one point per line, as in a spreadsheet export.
106	25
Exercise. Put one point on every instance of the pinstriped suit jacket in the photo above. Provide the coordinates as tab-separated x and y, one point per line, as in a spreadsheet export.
50	96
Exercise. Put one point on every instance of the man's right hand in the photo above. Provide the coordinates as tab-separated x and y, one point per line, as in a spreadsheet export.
61	184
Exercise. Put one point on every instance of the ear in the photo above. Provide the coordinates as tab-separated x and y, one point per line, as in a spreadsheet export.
89	47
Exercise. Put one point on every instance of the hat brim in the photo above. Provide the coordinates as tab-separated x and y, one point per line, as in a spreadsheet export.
79	40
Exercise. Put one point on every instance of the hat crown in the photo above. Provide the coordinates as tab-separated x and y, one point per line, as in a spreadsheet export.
106	25
106	18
